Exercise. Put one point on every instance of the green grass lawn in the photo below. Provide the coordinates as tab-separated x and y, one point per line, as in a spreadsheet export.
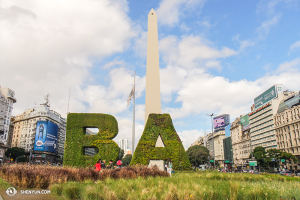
202	185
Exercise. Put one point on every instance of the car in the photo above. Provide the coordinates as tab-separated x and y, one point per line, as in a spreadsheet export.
282	172
289	173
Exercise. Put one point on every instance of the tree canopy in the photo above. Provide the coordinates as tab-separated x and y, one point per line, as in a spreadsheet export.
14	152
264	158
197	154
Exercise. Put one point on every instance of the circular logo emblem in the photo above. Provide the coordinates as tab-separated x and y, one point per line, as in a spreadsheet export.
39	143
11	191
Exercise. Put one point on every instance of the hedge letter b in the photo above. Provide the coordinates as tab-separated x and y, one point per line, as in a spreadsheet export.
77	140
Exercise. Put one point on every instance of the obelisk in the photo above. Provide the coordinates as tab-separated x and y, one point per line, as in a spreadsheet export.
152	102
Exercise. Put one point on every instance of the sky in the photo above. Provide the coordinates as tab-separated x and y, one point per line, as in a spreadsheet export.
216	56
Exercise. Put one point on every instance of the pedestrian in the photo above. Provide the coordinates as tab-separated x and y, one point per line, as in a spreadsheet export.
98	166
103	166
169	166
166	166
111	165
119	163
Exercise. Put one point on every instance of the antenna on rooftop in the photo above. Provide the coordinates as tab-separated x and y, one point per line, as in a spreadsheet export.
69	100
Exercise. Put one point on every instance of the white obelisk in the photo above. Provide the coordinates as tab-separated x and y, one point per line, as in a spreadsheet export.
153	103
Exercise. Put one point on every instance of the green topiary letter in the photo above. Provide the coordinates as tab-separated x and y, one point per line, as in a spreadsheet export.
160	124
76	139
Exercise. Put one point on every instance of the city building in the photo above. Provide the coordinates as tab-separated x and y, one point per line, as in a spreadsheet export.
209	145
218	146
241	141
200	141
286	126
26	131
123	144
261	118
7	99
228	154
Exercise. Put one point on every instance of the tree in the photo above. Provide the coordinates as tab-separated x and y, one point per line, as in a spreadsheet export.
126	160
273	155
288	156
260	155
14	152
197	154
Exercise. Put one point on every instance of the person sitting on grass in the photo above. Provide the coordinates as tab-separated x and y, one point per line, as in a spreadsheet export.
111	165
119	163
98	166
103	166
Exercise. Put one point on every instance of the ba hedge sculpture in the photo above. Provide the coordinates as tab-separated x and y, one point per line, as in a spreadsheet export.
77	140
160	124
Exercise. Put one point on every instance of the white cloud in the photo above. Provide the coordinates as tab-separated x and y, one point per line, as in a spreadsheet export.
289	66
189	136
169	12
190	51
184	28
264	29
243	43
50	46
294	46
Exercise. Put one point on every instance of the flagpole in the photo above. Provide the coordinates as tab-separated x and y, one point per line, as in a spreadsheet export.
133	127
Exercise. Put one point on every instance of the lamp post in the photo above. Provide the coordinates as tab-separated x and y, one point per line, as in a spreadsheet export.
212	131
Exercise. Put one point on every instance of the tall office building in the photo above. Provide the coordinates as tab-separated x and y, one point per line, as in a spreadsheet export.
261	118
7	99
123	144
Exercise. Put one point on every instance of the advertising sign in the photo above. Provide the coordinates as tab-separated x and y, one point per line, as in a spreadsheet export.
219	122
40	135
46	136
245	122
265	97
51	137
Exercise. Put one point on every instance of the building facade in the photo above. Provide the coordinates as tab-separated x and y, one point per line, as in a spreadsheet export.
218	146
123	144
286	126
7	99
261	119
25	129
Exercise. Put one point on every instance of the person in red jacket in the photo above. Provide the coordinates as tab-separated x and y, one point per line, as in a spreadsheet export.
98	166
119	163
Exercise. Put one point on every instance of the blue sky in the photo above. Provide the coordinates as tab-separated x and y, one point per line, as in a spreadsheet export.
215	56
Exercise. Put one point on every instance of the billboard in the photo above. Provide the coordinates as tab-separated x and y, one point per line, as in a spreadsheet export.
46	136
268	95
219	122
245	122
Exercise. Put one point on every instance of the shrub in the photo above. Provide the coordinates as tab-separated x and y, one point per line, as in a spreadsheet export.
160	125
36	176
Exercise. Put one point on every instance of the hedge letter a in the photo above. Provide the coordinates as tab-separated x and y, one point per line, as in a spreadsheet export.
77	140
160	125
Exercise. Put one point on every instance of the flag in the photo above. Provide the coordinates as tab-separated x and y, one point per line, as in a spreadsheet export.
131	95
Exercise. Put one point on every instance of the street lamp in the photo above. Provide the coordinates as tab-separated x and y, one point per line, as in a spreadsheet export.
212	131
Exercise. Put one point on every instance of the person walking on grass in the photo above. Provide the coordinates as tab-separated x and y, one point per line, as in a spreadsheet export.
98	166
169	166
